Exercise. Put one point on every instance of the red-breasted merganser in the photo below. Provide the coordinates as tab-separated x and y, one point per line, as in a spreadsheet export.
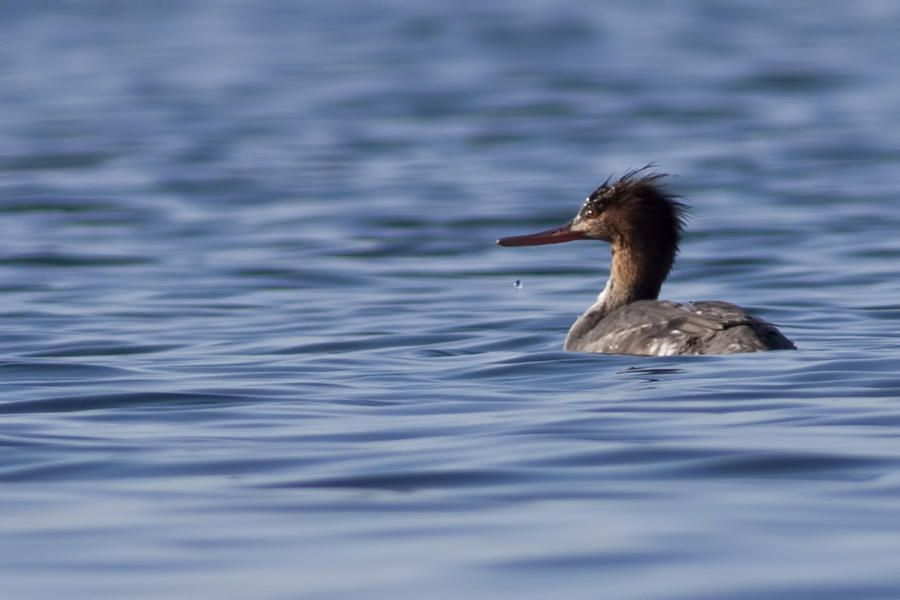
643	222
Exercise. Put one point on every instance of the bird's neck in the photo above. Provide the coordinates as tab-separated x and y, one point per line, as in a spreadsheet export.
635	274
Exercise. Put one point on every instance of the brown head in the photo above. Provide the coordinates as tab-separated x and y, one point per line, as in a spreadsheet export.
642	221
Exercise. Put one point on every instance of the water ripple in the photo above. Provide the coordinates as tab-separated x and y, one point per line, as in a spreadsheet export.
258	340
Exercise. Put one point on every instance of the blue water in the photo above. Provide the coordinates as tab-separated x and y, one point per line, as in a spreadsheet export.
258	341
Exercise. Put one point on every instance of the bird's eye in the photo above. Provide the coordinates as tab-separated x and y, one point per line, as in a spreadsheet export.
589	213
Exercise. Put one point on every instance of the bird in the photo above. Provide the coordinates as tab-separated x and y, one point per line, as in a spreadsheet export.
643	222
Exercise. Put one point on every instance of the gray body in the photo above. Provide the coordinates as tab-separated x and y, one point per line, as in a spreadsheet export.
663	328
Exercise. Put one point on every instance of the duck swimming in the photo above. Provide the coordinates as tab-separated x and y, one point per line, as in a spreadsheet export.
643	222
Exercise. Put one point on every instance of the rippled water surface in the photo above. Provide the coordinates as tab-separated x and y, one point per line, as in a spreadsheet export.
258	341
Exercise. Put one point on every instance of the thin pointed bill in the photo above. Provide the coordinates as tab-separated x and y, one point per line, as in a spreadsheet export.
551	236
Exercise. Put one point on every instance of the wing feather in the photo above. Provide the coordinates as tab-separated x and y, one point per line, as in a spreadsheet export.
659	327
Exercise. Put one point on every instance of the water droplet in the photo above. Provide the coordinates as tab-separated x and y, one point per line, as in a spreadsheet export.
518	284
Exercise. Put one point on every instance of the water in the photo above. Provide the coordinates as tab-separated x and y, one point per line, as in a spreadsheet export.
258	341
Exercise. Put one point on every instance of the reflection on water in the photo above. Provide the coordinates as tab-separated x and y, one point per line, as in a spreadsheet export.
258	340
